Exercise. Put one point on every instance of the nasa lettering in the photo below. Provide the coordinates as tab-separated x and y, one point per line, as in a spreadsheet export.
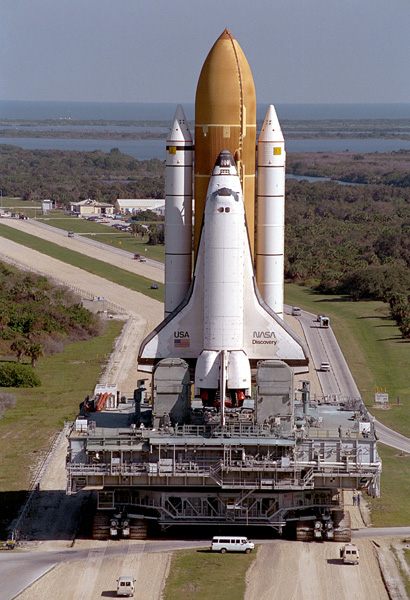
264	337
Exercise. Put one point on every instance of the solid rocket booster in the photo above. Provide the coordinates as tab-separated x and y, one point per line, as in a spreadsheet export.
178	207
271	212
225	117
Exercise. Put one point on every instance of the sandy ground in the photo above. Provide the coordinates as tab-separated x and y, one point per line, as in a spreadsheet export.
96	576
281	570
306	571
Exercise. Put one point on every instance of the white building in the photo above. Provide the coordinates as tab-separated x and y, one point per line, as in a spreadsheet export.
90	207
126	206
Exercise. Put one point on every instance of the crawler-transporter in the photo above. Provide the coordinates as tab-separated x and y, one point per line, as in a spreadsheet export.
278	461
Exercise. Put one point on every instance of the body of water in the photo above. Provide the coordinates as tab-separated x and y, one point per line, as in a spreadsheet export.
165	111
319	179
119	128
147	149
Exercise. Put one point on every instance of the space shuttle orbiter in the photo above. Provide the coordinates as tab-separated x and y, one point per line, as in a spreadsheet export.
223	317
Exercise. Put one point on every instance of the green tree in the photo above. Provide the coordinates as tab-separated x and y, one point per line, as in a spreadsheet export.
405	327
156	235
19	346
34	351
137	229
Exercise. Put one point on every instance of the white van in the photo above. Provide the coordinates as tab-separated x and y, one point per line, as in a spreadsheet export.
350	554
125	586
231	544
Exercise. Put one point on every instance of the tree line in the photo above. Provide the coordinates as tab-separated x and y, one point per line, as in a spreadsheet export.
351	240
71	176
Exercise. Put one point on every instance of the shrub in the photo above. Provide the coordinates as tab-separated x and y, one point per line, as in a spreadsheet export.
17	375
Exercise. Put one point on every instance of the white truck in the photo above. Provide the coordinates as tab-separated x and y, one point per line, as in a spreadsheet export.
349	553
323	321
125	586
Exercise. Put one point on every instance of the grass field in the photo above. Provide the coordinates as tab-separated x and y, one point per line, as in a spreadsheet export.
66	379
203	575
92	265
392	509
18	203
69	223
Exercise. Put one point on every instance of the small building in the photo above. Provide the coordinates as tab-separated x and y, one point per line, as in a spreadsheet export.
89	207
125	206
46	205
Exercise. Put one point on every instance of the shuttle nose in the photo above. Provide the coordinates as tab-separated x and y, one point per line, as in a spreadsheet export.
225	164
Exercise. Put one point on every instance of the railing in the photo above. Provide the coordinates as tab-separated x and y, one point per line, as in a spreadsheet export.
263	475
313	433
233	430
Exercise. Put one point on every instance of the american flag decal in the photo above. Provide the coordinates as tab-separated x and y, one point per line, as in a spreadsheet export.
182	343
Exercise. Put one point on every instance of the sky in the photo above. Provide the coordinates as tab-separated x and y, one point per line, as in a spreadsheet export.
299	51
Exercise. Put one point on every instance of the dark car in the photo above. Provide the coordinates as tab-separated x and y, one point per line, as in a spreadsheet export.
137	256
154	286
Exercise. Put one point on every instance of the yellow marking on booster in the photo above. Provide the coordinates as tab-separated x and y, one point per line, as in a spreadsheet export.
172	149
277	151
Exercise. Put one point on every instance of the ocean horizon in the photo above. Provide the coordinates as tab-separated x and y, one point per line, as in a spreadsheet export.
144	111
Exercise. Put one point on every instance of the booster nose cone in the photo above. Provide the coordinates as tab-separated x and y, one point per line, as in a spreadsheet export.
180	131
271	130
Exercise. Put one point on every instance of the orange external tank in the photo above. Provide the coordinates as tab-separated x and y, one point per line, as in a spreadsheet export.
225	118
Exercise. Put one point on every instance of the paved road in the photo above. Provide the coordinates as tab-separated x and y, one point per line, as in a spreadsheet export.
392	438
379	532
339	381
